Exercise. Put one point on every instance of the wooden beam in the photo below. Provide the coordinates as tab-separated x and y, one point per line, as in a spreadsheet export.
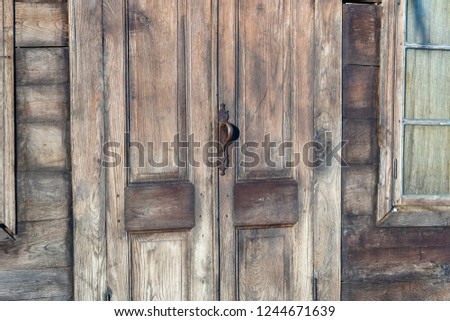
7	186
87	113
327	178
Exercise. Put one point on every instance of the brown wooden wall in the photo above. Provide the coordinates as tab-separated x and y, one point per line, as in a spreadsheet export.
378	263
38	264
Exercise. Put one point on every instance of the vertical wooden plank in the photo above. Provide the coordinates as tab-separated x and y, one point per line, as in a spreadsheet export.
303	132
7	191
86	76
227	66
327	118
201	111
115	126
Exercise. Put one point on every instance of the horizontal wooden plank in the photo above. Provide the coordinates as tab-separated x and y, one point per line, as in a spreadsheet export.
42	103
41	1
43	147
359	189
361	34
395	263
41	24
426	216
38	245
262	203
409	290
43	196
361	138
360	232
42	66
36	284
360	91
164	206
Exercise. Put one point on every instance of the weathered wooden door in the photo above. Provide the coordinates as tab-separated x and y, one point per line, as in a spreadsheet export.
176	229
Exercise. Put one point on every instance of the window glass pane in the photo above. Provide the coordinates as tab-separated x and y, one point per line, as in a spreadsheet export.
427	84
426	161
428	22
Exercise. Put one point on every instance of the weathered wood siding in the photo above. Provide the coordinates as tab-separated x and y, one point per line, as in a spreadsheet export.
38	266
378	263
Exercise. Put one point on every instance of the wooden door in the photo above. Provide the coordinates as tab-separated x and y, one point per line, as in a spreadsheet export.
175	228
265	79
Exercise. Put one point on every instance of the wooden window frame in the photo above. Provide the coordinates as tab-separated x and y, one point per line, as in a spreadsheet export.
393	208
7	190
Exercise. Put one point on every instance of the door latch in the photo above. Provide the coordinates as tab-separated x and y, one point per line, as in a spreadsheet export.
228	133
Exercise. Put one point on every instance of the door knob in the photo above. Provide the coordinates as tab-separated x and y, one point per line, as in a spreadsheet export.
228	133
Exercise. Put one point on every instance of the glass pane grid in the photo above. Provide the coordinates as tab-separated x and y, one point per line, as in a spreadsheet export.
426	95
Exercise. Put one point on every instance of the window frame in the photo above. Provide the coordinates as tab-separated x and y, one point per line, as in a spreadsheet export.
7	190
394	209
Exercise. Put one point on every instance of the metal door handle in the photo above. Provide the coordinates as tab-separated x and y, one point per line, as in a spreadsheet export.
228	131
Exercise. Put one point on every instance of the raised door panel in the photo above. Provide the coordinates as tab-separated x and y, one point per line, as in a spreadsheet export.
264	85
157	88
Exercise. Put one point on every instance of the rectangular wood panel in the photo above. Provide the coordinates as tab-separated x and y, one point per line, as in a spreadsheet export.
160	267
41	24
265	265
42	66
157	81
160	207
263	203
264	84
42	103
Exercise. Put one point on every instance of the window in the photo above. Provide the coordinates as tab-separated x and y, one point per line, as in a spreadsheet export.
414	131
7	190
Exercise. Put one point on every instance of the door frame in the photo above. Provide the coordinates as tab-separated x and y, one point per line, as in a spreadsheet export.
93	199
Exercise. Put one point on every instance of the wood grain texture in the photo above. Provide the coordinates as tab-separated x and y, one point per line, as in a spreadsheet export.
43	196
41	24
361	34
42	103
359	233
37	284
87	120
37	240
265	265
7	150
328	118
264	82
43	147
188	28
266	32
263	203
42	66
359	190
403	290
160	207
157	87
396	263
361	138
360	91
117	265
160	267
